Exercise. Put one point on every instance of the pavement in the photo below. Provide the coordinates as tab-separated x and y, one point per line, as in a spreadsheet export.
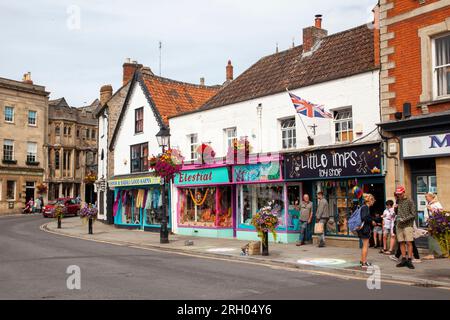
37	265
329	260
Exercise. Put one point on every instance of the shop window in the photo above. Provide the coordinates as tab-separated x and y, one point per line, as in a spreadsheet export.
10	190
230	137
442	66
343	123
288	134
251	198
139	158
205	207
31	152
294	193
193	145
32	115
9	114
8	150
139	120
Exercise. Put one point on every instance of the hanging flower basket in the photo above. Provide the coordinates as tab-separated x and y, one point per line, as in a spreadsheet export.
206	152
89	214
90	178
58	213
240	150
167	165
439	229
265	221
42	188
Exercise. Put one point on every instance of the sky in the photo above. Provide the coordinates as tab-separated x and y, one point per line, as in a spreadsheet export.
74	47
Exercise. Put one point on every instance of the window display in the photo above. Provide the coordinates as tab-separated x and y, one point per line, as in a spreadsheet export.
251	198
209	207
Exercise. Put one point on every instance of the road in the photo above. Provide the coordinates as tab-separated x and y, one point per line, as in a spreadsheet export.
33	265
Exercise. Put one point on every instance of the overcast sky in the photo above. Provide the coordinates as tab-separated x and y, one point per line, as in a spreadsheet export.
73	55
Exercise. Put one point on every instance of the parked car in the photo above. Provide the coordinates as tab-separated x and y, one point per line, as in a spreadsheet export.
71	204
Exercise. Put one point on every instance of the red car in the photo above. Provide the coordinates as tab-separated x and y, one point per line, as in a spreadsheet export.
72	207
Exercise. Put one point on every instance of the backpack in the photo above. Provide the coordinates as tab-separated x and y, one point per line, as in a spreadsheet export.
355	223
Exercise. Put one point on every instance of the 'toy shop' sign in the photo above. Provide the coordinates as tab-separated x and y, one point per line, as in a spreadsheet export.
335	163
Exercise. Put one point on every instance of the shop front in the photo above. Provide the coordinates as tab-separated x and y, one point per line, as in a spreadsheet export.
138	202
336	172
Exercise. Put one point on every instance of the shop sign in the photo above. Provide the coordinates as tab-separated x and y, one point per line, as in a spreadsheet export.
434	145
257	172
336	163
139	181
203	177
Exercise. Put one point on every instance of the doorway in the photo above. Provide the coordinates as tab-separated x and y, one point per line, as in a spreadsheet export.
29	191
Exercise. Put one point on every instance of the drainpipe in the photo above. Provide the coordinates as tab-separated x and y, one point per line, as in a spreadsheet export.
259	113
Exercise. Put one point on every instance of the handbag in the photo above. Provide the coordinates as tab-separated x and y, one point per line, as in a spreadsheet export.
318	228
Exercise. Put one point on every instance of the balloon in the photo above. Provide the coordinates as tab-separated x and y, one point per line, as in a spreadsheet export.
357	191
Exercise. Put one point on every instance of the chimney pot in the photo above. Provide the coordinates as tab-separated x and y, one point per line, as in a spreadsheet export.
202	81
319	21
27	78
229	72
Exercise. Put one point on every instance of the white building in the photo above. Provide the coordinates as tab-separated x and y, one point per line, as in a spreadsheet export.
336	71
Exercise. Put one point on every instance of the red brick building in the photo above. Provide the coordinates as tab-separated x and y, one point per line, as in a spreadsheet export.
415	96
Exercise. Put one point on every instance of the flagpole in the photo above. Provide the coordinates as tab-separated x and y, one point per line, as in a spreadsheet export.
304	126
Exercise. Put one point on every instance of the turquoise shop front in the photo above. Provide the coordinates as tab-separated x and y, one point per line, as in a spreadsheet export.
138	202
219	202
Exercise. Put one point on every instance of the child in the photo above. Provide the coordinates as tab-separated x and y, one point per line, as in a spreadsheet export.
388	223
378	230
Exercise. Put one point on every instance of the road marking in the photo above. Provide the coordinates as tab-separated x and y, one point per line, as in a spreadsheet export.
257	263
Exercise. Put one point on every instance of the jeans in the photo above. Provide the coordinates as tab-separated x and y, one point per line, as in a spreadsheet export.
303	225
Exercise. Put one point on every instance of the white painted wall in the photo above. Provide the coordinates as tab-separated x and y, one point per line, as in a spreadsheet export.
361	92
126	136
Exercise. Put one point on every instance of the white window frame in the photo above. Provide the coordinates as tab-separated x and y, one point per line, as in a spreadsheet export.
291	134
4	114
348	121
12	151
35	118
32	155
15	187
229	139
435	68
193	146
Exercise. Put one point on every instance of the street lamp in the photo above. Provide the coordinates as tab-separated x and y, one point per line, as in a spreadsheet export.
163	137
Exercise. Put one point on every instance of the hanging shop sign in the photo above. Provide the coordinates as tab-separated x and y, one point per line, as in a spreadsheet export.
203	177
135	181
336	163
257	172
433	145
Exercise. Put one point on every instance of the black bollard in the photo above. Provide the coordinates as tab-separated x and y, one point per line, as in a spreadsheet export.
90	226
59	222
265	244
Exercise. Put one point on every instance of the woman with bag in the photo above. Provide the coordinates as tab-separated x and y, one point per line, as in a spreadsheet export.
365	231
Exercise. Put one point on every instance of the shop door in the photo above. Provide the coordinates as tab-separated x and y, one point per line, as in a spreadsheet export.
422	184
29	191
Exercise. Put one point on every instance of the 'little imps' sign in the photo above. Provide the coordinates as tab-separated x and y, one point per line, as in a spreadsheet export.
334	163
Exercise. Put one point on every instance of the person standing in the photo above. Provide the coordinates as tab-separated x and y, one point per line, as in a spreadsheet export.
305	218
322	216
405	227
365	232
433	205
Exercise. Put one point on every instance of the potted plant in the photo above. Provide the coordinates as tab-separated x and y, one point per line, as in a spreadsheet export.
265	221
58	213
89	213
167	165
439	229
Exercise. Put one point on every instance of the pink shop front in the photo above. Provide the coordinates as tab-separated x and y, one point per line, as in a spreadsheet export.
219	201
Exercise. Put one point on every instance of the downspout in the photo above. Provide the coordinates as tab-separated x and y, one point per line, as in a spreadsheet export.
259	113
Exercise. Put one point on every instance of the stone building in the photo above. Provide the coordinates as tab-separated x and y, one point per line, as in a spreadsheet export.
72	150
415	97
23	125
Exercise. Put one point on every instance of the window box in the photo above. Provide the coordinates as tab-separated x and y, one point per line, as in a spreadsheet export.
32	163
9	161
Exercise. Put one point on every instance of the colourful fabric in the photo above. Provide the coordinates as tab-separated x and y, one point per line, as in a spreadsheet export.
139	199
116	203
148	201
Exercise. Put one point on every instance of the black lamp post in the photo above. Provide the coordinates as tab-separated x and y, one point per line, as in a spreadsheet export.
163	137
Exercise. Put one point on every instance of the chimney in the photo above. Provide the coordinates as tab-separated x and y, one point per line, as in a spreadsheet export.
27	78
312	35
229	71
105	94
202	81
129	67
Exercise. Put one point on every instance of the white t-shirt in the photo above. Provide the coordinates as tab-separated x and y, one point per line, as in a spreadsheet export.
388	218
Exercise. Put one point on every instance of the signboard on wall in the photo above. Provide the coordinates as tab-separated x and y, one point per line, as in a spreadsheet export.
135	181
203	177
433	145
358	161
257	172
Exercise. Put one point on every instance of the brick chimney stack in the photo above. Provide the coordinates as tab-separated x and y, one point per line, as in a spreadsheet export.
27	78
106	92
230	76
312	35
202	81
129	67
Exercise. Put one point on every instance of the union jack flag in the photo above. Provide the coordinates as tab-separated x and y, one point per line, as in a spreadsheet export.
309	109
